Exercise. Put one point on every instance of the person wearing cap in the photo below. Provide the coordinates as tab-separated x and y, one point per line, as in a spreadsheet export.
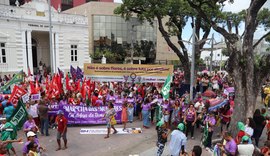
31	138
241	132
162	134
245	149
178	140
61	123
8	110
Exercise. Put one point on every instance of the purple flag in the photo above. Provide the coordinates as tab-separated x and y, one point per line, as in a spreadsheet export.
73	72
79	73
61	73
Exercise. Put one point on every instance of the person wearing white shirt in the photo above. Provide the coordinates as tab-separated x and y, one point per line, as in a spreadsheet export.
178	140
245	149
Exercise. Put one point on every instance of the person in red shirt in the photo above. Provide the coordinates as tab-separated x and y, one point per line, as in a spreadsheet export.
61	121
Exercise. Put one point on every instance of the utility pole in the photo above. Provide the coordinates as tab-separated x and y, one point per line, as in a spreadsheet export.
50	37
192	63
132	45
211	55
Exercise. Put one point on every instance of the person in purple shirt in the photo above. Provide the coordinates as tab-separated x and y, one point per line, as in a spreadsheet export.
211	121
30	125
231	147
31	137
99	101
146	106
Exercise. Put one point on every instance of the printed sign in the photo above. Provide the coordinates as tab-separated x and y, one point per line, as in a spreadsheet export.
35	97
85	115
127	72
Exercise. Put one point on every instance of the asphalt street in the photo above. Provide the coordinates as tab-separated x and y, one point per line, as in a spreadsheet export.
143	144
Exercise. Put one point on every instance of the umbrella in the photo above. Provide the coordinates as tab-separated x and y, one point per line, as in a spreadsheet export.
209	93
218	105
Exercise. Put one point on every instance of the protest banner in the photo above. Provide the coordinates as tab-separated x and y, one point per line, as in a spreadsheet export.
16	79
17	93
104	131
127	72
84	114
19	116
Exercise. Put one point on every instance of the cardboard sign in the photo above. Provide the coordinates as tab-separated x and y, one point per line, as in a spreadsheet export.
25	97
35	97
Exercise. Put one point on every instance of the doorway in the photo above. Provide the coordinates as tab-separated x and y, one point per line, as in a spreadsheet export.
34	54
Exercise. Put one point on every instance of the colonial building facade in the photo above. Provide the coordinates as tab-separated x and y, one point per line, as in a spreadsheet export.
24	38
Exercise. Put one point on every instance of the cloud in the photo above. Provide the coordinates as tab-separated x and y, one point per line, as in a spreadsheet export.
118	1
237	6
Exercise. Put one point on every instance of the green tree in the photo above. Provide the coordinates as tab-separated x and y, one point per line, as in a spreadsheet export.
247	71
176	13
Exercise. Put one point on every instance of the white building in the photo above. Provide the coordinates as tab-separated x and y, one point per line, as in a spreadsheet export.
24	38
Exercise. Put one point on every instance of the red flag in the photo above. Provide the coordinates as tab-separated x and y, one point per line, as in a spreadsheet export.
67	83
78	85
59	83
32	88
84	89
37	88
17	93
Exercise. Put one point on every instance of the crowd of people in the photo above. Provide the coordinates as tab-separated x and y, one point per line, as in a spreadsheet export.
176	117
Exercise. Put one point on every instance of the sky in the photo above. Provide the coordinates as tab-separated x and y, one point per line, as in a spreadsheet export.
235	7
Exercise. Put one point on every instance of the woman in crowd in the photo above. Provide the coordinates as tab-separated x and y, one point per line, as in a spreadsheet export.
260	123
146	107
166	112
124	117
139	101
245	149
210	121
162	133
110	119
190	118
241	132
249	127
32	148
225	115
30	125
176	115
130	106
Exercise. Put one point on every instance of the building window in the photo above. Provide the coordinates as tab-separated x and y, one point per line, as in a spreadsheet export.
74	53
3	56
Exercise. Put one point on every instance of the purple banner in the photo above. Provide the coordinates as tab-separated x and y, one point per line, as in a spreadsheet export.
85	115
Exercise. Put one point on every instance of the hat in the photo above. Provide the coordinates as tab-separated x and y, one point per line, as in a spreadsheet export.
100	97
160	123
245	138
181	127
3	118
241	126
30	134
60	112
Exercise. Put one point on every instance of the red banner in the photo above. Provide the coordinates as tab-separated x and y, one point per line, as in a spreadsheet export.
17	93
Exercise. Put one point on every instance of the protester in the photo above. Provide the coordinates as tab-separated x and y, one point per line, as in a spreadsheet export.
230	148
145	113
31	138
30	125
110	120
32	148
162	133
210	122
43	116
226	115
249	127
124	117
178	139
61	123
8	110
245	149
190	118
196	151
260	123
241	132
3	145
